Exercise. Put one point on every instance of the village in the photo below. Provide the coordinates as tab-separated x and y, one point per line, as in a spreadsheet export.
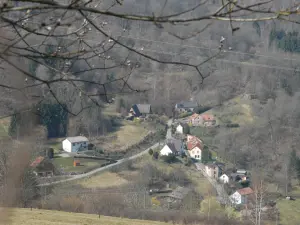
232	185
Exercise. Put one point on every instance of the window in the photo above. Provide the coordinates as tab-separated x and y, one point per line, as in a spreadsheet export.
73	144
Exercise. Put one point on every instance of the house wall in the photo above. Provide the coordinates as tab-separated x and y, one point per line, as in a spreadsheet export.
198	121
195	153
224	178
212	172
165	150
236	198
179	129
66	145
74	147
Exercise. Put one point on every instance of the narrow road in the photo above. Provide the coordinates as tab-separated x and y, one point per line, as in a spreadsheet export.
76	177
222	195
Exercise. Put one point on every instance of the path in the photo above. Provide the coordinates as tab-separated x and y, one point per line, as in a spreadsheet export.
76	177
222	195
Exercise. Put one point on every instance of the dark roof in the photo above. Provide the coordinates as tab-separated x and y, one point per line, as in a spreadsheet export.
180	193
187	104
177	144
141	108
77	139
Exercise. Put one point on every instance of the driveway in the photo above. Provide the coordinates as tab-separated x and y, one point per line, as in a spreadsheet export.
76	177
222	195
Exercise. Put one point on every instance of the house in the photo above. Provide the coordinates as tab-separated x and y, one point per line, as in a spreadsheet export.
42	167
241	196
74	144
138	110
172	145
185	106
224	178
213	170
194	146
208	120
241	171
179	129
195	120
179	194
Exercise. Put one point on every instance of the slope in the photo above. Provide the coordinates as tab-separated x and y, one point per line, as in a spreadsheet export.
48	217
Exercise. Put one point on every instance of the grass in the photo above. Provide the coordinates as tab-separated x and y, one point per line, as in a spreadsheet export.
103	180
4	125
289	211
86	164
128	134
110	110
49	217
236	110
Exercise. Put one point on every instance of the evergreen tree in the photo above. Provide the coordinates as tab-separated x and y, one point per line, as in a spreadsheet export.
205	156
13	127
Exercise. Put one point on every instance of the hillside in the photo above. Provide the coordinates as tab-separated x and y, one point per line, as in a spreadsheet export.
47	217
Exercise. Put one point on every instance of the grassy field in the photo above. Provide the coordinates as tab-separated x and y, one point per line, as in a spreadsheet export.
47	217
289	212
103	180
86	164
126	135
236	110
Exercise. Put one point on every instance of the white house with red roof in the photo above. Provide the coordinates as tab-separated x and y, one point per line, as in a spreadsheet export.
194	146
241	196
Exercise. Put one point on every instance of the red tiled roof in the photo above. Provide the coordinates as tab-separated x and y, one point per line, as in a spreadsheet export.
195	115
245	191
194	142
207	117
37	161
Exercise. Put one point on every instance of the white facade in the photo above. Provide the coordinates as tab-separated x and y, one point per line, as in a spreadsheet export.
165	150
224	179
195	153
179	129
236	198
73	144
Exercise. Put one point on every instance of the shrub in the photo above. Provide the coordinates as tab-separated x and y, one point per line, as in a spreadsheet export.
150	151
155	155
171	158
232	125
186	114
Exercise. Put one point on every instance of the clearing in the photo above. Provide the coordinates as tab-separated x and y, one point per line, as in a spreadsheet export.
103	180
129	133
50	217
236	110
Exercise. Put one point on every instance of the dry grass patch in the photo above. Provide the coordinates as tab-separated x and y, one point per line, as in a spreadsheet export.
47	217
128	134
103	180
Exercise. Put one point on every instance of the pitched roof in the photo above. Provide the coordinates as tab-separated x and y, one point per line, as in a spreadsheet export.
194	116
144	108
194	142
245	191
207	117
175	144
180	193
187	104
77	139
37	161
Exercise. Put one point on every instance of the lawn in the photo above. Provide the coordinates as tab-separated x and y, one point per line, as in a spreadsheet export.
289	211
103	180
86	164
126	135
236	110
49	217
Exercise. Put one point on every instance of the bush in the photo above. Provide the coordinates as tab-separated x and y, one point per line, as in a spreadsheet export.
155	155
186	114
91	146
150	151
171	158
